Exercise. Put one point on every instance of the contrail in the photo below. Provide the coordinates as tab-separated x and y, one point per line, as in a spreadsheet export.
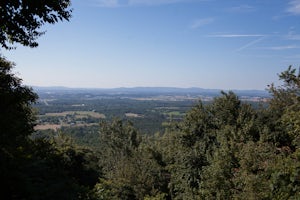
250	43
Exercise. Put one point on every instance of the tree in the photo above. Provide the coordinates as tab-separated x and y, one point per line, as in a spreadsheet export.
16	124
132	164
21	20
17	118
284	108
209	139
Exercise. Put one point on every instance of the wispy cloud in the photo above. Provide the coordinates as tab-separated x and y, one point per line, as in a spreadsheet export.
201	22
293	57
153	2
292	36
278	48
235	35
294	7
108	3
122	3
241	9
250	44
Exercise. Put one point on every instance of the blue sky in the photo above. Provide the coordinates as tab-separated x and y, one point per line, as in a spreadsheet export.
232	44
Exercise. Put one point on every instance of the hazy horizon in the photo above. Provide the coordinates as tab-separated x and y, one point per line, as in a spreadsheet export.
143	87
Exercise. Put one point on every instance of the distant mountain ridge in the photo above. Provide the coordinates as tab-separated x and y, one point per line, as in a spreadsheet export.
151	90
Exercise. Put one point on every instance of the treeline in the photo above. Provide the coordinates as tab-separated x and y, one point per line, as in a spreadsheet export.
223	150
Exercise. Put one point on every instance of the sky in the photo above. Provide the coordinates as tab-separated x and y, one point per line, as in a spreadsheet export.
214	44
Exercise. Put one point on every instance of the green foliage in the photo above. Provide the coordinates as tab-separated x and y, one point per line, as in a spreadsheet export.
287	100
21	20
133	167
285	179
229	150
284	108
58	169
206	153
251	177
51	169
160	196
118	140
16	124
217	176
17	118
287	94
107	189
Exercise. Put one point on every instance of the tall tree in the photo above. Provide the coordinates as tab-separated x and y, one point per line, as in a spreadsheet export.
17	117
285	107
16	123
21	20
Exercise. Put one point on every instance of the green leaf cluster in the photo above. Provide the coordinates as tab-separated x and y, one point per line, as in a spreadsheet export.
21	20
